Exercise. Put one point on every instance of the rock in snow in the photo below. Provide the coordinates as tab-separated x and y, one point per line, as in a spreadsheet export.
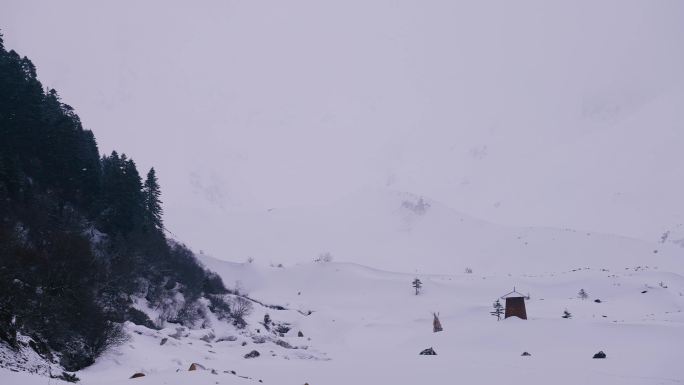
428	352
600	354
252	354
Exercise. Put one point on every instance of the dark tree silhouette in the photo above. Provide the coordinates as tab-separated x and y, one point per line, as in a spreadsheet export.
152	202
498	310
417	284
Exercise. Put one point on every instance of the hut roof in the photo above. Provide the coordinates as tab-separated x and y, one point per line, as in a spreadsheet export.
514	293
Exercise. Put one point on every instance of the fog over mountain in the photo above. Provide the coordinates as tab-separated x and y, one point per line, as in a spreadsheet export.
560	114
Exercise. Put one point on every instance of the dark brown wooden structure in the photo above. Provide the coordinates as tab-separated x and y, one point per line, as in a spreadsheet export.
515	305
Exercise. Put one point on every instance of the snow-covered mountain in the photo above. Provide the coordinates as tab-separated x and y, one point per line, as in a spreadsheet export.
404	232
530	114
320	156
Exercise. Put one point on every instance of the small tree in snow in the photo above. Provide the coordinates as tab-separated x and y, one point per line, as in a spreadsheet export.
324	258
498	310
583	294
417	285
566	314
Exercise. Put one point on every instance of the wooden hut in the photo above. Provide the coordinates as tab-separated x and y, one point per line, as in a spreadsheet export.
515	305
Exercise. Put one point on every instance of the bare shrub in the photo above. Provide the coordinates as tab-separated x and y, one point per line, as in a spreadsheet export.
240	308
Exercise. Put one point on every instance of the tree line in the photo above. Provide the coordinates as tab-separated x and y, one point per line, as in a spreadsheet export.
81	234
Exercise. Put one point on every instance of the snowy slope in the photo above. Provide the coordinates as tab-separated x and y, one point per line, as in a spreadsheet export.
391	230
366	326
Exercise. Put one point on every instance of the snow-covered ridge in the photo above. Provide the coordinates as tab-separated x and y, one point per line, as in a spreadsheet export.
404	232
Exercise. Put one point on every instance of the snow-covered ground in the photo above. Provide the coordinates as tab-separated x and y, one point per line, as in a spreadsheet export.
366	326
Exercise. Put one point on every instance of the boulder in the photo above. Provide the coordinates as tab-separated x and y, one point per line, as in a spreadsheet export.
258	339
600	354
137	375
195	366
597	300
252	354
163	341
526	354
428	352
229	338
300	334
208	338
284	344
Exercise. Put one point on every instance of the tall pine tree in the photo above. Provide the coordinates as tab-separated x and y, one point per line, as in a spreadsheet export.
153	208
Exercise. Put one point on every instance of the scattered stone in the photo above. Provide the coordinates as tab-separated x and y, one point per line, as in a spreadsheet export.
428	352
284	344
252	354
208	338
600	354
195	366
258	339
526	354
137	375
644	292
178	334
597	300
213	371
229	338
244	343
300	334
163	341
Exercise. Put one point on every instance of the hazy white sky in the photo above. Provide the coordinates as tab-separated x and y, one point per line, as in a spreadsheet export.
559	113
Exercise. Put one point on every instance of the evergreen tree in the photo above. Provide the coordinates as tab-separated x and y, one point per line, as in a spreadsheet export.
417	285
152	203
498	310
583	294
121	194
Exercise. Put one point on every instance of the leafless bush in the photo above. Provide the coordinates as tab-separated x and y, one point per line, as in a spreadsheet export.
240	308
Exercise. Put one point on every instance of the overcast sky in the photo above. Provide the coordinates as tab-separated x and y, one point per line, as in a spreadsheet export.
552	113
